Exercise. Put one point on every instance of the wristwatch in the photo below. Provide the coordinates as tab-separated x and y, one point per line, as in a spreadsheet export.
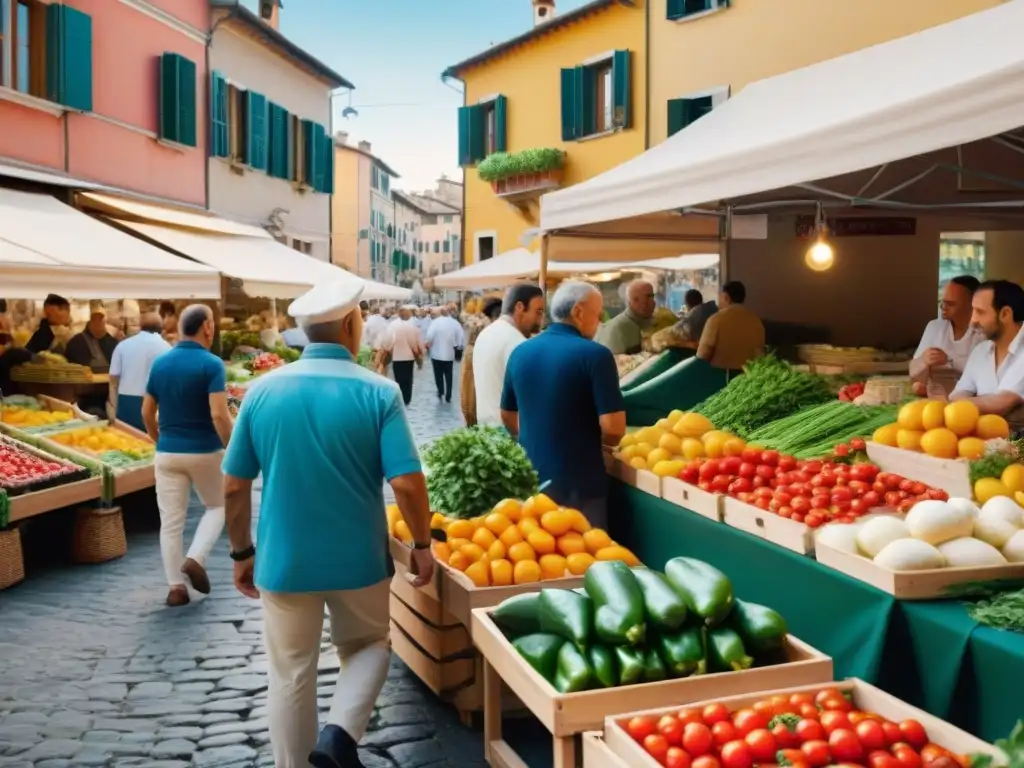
418	545
245	554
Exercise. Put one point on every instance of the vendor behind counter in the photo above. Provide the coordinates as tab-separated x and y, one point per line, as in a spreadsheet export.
56	313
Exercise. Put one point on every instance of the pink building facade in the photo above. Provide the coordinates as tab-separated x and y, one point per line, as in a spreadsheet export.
108	91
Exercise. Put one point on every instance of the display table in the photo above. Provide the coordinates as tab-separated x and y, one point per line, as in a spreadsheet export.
931	654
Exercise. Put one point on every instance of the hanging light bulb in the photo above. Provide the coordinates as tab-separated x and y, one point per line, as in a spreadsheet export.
820	256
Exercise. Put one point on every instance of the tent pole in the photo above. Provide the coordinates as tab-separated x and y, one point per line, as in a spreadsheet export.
542	277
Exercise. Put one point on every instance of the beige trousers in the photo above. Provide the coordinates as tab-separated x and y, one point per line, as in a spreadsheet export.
293	624
176	474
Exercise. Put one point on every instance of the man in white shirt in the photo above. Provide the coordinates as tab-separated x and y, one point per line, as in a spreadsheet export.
444	336
522	311
994	376
129	370
373	328
947	342
402	340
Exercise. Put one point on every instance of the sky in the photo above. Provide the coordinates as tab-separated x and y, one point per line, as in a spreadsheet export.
394	51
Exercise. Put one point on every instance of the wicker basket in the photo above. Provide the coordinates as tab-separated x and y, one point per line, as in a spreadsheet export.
99	535
12	564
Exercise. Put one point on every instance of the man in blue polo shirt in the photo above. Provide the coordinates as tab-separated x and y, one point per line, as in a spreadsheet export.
325	432
562	398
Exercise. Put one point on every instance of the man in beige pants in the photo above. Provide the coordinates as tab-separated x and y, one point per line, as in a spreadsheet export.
185	411
325	432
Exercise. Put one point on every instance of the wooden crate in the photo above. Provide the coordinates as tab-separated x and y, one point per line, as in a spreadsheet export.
641	479
911	585
951	475
691	497
125	480
768	526
865	696
39	502
568	715
597	754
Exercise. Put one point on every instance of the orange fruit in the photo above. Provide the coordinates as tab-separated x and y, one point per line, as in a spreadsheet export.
580	524
437	520
526	572
535	506
456	543
991	426
510	536
497	550
480	573
510	508
483	537
473	551
501	572
557	522
596	539
442	551
542	542
552	567
521	551
570	543
616	552
497	523
528	524
460	529
578	562
459	561
402	532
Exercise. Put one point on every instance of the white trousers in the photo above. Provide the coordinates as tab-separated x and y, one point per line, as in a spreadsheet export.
176	474
293	624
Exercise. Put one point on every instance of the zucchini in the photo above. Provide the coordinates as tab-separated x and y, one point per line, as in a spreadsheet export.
654	667
683	652
665	608
761	628
726	652
572	672
540	652
602	662
519	614
619	603
706	591
566	613
631	664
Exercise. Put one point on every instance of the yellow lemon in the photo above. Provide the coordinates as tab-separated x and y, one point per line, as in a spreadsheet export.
971	448
692	425
692	448
637	463
673	417
670	443
988	488
909	439
642	449
931	415
658	454
962	417
627	440
1013	477
940	442
910	415
886	435
991	426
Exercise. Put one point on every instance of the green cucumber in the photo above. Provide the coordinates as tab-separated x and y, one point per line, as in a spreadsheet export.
726	652
518	614
683	652
563	612
631	664
602	662
572	670
666	610
619	603
761	628
540	652
654	667
706	591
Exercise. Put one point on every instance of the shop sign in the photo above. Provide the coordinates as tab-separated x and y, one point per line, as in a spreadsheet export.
858	226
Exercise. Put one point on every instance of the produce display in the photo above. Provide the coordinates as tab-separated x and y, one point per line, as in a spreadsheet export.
48	367
628	626
943	430
800	730
938	534
665	447
1000	472
110	445
263	362
22	470
813	432
628	363
518	542
29	415
851	392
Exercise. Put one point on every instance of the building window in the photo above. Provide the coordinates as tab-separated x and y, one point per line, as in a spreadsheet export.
682	112
596	97
682	9
602	77
302	246
485	246
447	219
447	247
238	121
363	234
385	185
375	177
483	130
23	51
437	246
177	100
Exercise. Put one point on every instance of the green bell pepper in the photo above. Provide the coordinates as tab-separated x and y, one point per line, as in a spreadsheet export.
706	591
518	614
619	603
563	612
602	662
761	628
654	667
572	672
631	664
683	652
665	608
540	652
726	652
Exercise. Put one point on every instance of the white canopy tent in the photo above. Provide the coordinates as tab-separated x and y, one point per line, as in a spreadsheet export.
941	88
49	247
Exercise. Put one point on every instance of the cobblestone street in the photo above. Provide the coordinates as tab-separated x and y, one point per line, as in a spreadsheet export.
95	671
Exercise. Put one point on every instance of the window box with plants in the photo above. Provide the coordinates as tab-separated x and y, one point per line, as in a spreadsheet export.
519	175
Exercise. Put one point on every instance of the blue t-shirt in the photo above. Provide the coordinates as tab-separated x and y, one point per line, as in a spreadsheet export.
181	381
326	433
560	384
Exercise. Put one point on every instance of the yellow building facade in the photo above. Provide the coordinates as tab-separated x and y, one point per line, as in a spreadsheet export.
576	83
701	51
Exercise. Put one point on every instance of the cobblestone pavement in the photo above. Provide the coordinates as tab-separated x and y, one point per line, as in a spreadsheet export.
95	671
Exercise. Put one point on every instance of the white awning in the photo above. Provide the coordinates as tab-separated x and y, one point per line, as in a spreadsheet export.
48	247
120	208
266	267
942	87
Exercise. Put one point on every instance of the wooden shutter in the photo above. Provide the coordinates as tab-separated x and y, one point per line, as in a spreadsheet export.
187	115
69	57
622	90
570	112
313	140
328	188
678	115
257	131
465	129
501	124
177	101
277	141
220	144
675	9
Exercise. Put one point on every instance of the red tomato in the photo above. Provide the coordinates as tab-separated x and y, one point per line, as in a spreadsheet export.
817	753
932	752
656	747
871	735
765	471
762	745
762	503
801	504
906	754
814	519
764	707
782	497
676	757
731	464
723	733
810	730
670	727
751	455
785	512
791	757
784	737
832	719
697	738
721	483
882	759
839	703
841	494
859	507
813	467
736	754
706	761
845	746
820	502
747	470
688	715
914	734
809	712
641	727
747	720
787	463
893	734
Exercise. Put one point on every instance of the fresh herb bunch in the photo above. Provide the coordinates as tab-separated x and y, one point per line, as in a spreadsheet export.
1012	747
991	465
472	469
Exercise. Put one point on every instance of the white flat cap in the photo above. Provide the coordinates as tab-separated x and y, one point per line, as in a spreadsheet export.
328	301
410	307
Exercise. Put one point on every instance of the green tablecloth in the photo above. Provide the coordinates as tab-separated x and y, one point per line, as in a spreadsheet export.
931	654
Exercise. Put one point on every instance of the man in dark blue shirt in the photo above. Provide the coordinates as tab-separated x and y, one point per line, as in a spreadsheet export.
562	398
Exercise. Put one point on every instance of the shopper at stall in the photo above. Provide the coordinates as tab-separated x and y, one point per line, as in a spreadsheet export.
130	366
404	345
185	411
993	378
562	400
169	315
56	314
293	337
947	342
734	334
522	311
623	334
94	346
375	325
467	382
323	543
691	326
444	340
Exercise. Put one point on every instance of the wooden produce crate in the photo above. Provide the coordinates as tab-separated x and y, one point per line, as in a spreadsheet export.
768	526
691	497
865	696
951	475
641	479
568	715
597	754
39	502
128	480
911	585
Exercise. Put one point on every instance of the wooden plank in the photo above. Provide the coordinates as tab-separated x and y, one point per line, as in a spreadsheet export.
133	480
439	677
648	482
768	526
430	609
951	475
39	502
597	754
691	497
440	643
402	555
501	755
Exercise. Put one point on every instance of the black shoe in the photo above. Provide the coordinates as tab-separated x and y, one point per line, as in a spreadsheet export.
335	749
448	399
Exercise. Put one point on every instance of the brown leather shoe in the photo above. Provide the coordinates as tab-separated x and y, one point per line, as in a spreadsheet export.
177	597
197	575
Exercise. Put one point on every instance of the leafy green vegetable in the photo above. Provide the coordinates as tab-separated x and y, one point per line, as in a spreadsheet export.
5	509
990	466
1012	747
503	165
816	431
472	469
1004	611
365	357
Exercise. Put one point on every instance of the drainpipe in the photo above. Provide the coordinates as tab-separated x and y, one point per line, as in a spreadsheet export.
647	75
209	101
462	223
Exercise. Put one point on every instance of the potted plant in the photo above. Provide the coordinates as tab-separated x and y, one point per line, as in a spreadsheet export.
520	171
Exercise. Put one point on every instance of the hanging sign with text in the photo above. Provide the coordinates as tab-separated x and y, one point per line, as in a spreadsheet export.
855	226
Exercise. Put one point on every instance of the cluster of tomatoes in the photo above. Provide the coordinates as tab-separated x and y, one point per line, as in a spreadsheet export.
802	730
813	492
18	467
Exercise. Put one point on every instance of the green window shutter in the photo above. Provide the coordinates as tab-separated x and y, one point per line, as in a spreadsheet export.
501	124
436	247
477	135
675	9
328	188
313	135
586	108
447	246
622	90
256	131
219	144
69	57
277	144
187	114
465	130
167	106
570	113
678	115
